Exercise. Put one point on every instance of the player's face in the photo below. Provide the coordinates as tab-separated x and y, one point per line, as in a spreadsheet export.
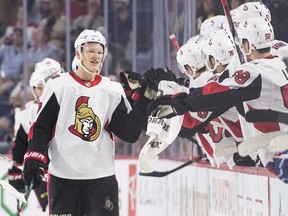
38	91
245	46
189	71
93	54
210	62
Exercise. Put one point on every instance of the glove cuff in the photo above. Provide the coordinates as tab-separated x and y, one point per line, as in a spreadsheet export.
15	176
34	155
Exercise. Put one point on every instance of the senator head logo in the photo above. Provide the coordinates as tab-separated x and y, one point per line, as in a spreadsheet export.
87	125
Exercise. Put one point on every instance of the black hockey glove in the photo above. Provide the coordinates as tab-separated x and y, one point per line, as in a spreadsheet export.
152	77
167	106
34	164
183	82
130	81
16	179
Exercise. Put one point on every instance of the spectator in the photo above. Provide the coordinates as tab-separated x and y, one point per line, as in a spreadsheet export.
42	47
77	8
56	23
120	24
19	22
44	9
120	27
93	19
11	72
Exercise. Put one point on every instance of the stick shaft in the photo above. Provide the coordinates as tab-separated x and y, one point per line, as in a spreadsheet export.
233	30
174	42
27	194
11	161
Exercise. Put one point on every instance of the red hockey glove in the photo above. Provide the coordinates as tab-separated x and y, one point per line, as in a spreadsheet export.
167	106
34	163
16	179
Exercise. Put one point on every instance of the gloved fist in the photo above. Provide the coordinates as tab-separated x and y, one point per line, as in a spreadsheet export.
152	77
167	106
279	166
34	163
16	179
130	81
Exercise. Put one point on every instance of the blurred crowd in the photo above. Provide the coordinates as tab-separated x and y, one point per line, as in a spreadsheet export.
46	32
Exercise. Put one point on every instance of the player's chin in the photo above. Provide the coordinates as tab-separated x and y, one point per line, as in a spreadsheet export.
95	68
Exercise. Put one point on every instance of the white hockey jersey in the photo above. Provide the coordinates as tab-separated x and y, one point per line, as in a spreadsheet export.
75	116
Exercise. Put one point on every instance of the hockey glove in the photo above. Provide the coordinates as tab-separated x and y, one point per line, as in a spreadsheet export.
153	76
130	81
183	82
16	179
167	106
279	166
34	163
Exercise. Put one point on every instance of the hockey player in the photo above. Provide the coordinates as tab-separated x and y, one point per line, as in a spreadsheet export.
260	84
44	70
220	139
258	10
213	24
80	111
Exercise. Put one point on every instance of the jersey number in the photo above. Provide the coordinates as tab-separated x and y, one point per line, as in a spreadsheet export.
241	76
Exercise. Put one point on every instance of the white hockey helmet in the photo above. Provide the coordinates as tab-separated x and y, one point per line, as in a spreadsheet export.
190	54
87	36
35	80
220	46
47	68
213	24
258	32
250	10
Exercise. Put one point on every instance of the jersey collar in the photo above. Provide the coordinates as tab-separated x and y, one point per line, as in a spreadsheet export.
87	84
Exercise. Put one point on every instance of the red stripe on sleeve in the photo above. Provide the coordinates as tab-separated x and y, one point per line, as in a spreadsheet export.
213	87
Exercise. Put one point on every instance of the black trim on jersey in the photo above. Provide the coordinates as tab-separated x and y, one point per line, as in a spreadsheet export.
44	125
20	145
223	76
128	127
198	102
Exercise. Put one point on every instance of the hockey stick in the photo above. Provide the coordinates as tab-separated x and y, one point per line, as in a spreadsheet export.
27	194
165	173
248	146
233	30
10	189
174	42
10	161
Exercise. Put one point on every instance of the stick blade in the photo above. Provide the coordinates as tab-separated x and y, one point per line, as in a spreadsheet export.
165	173
154	174
10	189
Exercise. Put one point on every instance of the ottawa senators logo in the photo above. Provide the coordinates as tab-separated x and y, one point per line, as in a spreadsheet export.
87	124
